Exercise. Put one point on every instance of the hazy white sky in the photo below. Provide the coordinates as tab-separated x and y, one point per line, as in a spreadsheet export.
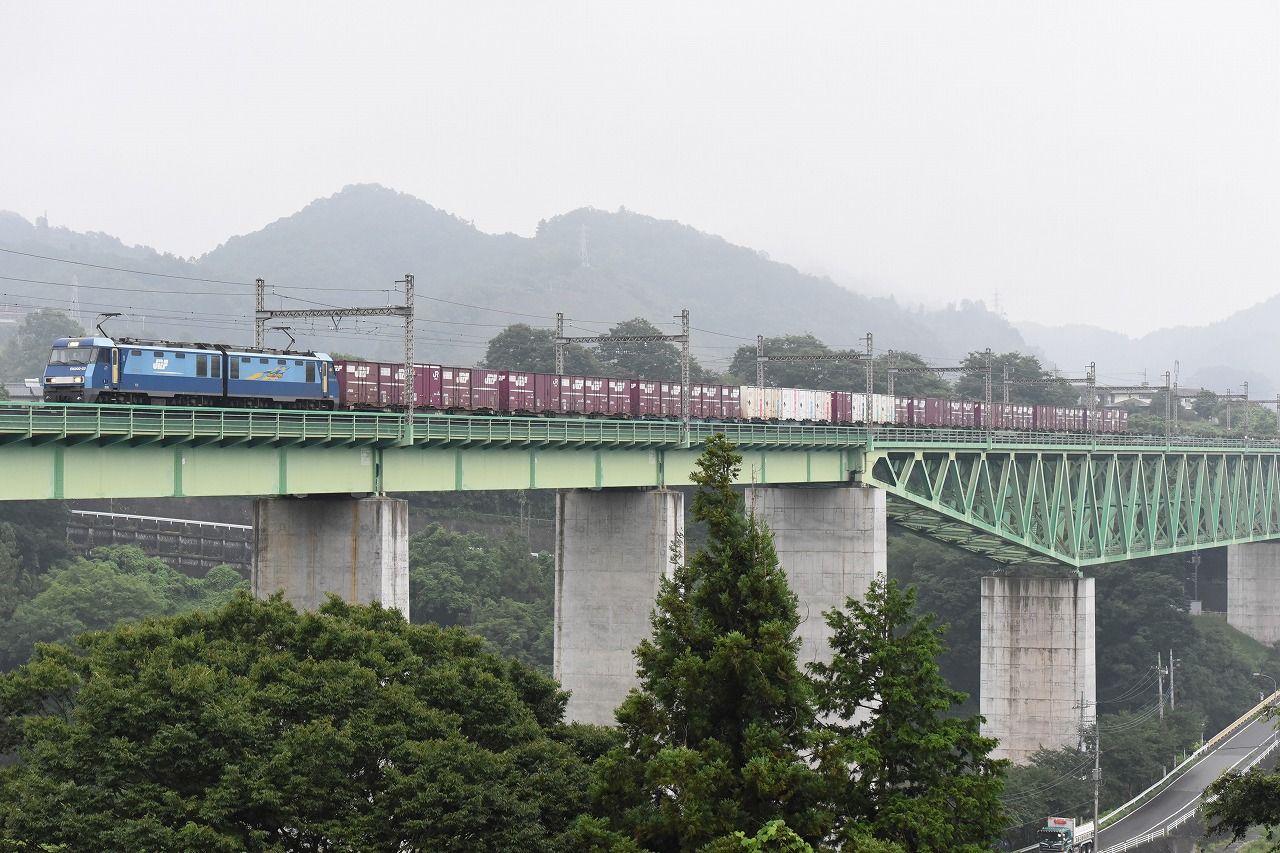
1104	162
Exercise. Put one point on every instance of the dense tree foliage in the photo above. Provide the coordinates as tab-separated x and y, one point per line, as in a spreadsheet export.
119	584
496	589
715	732
25	355
900	764
836	375
253	727
1030	384
522	347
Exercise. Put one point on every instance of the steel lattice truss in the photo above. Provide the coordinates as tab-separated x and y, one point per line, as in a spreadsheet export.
1081	507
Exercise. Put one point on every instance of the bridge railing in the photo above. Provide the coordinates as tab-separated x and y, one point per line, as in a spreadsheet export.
27	420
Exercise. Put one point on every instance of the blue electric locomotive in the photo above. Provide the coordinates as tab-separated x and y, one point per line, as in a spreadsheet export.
122	370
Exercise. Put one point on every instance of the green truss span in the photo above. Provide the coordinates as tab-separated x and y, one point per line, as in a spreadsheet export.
1047	498
1081	507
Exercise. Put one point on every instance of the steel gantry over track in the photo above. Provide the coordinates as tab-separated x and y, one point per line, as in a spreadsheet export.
1016	497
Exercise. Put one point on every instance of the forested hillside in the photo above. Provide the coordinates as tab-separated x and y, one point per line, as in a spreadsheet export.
597	267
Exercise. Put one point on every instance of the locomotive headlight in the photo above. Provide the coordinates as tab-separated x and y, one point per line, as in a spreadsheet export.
77	379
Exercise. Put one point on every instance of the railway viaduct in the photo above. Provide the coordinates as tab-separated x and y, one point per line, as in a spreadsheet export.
1046	506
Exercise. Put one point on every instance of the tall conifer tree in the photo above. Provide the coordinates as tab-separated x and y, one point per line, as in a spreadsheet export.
898	766
716	732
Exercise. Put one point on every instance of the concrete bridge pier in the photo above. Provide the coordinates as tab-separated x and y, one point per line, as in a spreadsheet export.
1037	663
831	542
612	549
1253	590
355	548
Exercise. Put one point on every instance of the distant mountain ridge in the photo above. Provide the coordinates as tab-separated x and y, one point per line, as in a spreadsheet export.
353	245
1220	356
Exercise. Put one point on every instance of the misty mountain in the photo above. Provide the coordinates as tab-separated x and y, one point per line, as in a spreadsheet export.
1243	347
596	267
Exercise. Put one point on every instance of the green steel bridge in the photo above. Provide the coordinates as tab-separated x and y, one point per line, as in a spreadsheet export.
1017	497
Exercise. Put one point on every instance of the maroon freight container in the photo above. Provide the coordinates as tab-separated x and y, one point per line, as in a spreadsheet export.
618	400
390	385
731	402
426	386
484	389
357	384
455	388
1075	420
703	401
546	393
669	392
595	395
902	410
841	407
962	414
516	392
573	395
936	412
646	400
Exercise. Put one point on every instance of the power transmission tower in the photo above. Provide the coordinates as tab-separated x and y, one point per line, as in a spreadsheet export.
262	315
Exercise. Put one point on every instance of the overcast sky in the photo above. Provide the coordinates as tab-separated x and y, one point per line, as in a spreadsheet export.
1101	162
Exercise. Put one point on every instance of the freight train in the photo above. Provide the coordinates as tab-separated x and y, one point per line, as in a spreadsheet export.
106	370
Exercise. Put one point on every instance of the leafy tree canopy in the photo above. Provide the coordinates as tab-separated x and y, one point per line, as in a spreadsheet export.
25	355
715	732
889	710
494	588
522	347
253	727
836	375
120	584
1022	369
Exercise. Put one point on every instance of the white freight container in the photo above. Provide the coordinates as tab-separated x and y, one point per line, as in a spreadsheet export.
883	408
858	409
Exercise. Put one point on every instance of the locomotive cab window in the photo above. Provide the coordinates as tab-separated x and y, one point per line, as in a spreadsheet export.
233	368
202	365
311	371
215	363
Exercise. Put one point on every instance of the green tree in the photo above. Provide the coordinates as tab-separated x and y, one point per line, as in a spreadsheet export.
1236	802
898	763
120	584
25	354
715	732
522	347
494	588
653	360
1022	369
256	728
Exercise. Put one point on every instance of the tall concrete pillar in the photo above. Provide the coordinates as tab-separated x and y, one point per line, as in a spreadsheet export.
1253	590
1037	663
355	548
831	542
612	549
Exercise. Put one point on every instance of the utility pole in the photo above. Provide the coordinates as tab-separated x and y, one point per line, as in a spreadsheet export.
1172	700
559	346
260	322
1097	773
871	376
1160	682
1168	400
759	361
986	390
1005	399
684	376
